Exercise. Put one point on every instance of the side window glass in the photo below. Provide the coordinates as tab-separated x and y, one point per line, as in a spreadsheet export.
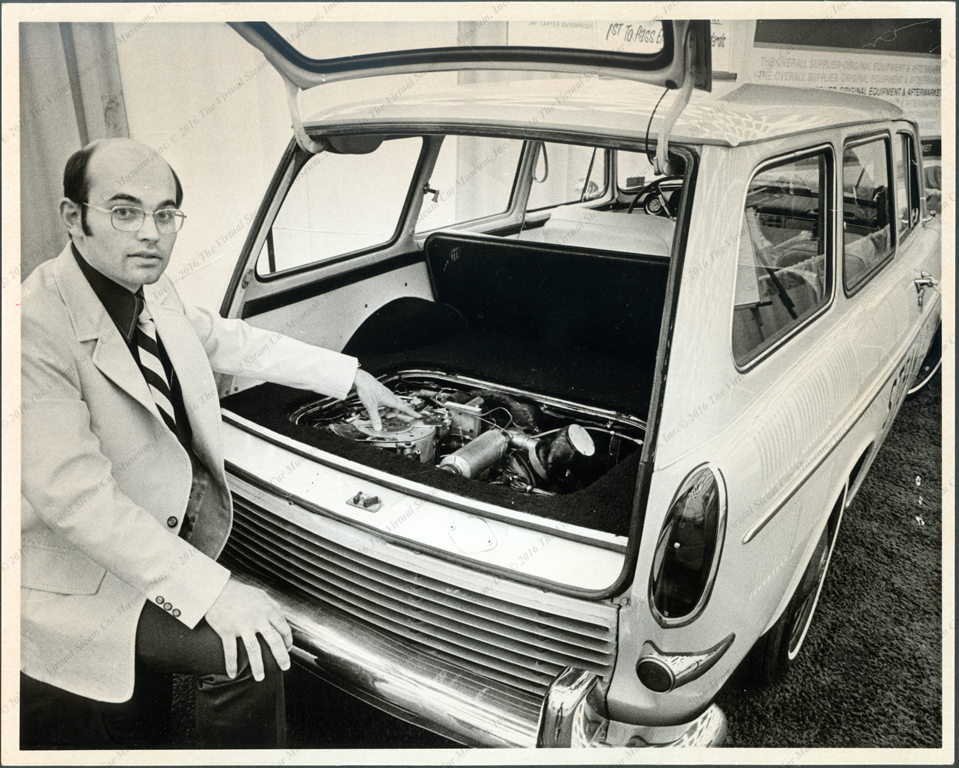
932	177
911	166
473	178
783	276
340	204
566	173
866	210
901	171
633	171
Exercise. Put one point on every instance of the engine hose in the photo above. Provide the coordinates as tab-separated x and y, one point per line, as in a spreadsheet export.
524	415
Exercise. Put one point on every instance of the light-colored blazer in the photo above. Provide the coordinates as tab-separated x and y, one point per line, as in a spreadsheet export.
104	483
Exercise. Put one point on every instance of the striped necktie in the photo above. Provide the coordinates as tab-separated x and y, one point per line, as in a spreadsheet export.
152	367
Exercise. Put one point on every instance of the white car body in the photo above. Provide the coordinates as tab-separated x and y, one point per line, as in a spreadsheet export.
497	626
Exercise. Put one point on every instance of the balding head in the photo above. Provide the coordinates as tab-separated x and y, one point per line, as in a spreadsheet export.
114	161
108	185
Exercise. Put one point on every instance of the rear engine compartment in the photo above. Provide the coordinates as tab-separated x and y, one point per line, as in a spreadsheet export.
475	430
532	370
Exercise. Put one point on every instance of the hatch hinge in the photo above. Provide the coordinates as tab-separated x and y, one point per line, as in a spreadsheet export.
662	164
306	143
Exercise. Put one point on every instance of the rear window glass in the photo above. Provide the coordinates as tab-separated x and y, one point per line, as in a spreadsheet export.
332	38
783	277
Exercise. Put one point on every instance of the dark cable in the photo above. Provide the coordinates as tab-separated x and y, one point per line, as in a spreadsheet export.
649	125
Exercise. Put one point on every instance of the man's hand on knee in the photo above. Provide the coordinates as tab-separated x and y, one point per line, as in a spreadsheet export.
243	612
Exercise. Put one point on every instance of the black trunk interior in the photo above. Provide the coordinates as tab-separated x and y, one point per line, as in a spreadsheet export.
573	324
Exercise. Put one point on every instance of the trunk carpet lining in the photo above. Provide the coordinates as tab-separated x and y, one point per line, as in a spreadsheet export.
576	375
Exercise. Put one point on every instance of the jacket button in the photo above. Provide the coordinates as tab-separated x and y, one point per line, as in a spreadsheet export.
176	611
159	600
171	522
167	606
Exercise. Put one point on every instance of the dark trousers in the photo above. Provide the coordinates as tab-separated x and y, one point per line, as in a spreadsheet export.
233	713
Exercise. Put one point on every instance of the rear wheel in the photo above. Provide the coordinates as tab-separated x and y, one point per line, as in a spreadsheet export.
776	650
930	364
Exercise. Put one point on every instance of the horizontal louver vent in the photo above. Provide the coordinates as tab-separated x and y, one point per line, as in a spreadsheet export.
520	646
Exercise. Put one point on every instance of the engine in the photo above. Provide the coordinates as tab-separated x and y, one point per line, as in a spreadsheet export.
531	444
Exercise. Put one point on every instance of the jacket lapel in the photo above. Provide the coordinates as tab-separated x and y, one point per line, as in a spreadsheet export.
112	356
92	323
192	366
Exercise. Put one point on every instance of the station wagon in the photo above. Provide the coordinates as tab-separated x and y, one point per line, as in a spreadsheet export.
656	328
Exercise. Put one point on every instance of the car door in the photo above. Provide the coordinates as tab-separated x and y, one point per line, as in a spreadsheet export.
919	244
888	254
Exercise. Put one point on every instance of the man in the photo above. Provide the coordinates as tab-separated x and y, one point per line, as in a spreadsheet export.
124	500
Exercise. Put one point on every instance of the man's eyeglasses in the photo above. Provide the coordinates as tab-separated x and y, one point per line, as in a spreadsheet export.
129	218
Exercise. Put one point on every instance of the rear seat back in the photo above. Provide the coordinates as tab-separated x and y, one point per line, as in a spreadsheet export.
560	297
636	232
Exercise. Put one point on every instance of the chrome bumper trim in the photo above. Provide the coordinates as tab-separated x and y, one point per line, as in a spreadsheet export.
395	676
390	674
574	716
678	668
564	704
707	730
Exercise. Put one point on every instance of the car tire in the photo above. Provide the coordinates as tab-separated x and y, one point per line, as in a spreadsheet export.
776	651
930	364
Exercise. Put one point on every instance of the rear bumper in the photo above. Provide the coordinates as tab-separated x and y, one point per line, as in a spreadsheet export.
398	678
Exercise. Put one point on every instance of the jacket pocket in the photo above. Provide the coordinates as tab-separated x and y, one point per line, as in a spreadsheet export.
65	571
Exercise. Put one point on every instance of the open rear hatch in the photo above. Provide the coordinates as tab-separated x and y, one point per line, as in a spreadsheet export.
533	368
681	50
680	56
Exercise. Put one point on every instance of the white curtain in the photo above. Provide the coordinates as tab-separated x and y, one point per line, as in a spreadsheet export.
69	94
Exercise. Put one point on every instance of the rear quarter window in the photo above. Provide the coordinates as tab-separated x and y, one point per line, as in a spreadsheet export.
907	183
473	178
340	204
565	173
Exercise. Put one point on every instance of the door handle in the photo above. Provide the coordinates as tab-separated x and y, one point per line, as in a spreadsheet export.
925	280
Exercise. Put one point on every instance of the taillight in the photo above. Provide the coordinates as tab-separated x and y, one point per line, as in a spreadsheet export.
689	546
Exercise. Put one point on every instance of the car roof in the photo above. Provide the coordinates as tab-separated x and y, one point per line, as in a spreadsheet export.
730	116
